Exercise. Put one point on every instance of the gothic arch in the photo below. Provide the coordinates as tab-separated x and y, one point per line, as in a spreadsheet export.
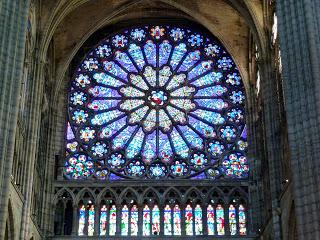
101	195
85	193
60	194
62	11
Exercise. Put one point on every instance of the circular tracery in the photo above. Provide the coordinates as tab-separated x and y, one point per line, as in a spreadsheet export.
155	102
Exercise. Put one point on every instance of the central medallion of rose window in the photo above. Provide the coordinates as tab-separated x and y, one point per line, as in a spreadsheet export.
157	99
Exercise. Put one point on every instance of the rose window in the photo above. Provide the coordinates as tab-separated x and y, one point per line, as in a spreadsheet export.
157	102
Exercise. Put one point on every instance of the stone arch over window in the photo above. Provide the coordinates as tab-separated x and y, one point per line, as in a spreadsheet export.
63	213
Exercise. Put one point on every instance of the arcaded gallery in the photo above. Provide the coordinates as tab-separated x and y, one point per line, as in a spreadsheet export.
160	119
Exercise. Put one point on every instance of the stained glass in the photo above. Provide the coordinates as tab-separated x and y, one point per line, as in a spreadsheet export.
155	220
134	220
91	220
220	219
232	220
124	221
189	220
146	221
167	218
176	220
198	226
242	220
210	220
82	220
113	220
156	102
103	220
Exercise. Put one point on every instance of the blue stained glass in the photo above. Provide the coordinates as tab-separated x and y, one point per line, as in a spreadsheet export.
138	34
78	98
211	117
164	52
121	139
193	138
165	150
82	81
119	41
112	128
225	63
125	61
116	160
208	79
136	169
228	133
216	148
178	52
212	50
167	219
234	79
103	51
98	105
195	40
205	129
177	34
80	116
135	145
164	75
235	165
215	91
237	97
155	102
106	79
70	134
157	170
180	145
90	64
103	118
136	54
115	69
150	52
179	168
201	68
190	60
199	160
99	91
214	104
150	146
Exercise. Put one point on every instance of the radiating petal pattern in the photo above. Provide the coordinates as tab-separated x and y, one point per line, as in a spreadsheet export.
157	102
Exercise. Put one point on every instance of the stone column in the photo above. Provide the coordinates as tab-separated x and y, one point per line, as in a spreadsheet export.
13	23
299	32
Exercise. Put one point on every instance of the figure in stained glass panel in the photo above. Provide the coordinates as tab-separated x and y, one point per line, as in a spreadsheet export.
242	220
210	220
155	220
167	220
220	219
103	220
91	220
146	221
189	220
82	220
113	220
124	221
198	226
176	220
134	220
232	220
